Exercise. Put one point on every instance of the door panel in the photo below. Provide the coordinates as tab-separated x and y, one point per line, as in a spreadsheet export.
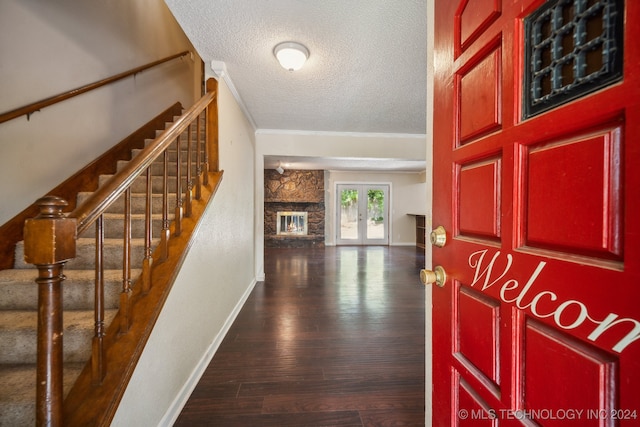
478	93
468	402
577	364
538	322
477	333
479	217
587	190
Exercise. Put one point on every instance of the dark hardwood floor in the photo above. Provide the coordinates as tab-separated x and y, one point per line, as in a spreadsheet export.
333	337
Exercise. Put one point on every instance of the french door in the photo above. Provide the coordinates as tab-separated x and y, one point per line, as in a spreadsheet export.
536	298
362	214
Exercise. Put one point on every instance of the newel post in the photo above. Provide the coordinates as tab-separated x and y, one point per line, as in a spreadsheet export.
49	241
212	154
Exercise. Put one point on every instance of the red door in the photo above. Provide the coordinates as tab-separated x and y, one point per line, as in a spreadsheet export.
537	184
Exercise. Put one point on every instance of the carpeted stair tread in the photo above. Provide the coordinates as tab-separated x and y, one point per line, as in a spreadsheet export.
18	335
157	169
114	225
139	185
85	253
19	291
18	392
138	203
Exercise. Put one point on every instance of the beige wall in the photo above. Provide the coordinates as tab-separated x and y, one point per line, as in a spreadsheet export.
216	278
51	46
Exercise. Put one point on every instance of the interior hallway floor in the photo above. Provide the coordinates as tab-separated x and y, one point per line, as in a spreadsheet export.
333	337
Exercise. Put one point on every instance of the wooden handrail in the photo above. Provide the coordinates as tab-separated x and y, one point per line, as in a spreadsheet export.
101	199
39	105
85	179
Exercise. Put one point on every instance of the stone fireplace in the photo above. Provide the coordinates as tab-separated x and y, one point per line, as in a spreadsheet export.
294	212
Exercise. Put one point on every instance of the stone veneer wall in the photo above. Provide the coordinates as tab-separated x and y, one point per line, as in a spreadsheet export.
298	191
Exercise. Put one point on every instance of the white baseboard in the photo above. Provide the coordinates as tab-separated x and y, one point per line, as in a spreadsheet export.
178	403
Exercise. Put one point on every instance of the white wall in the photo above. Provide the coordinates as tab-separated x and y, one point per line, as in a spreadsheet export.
216	278
273	143
407	196
52	46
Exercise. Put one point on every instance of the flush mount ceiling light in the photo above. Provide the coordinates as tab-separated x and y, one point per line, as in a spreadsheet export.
291	55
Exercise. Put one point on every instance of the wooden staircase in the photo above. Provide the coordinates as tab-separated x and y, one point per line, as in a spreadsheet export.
19	291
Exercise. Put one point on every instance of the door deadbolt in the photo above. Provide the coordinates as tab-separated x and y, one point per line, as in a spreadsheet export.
437	276
438	236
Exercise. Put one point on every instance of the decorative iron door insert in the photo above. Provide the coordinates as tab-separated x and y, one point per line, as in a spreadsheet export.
572	48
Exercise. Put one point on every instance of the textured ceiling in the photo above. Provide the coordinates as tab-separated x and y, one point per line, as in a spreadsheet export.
366	71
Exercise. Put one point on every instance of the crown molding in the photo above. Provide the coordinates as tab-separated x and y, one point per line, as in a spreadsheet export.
219	70
330	133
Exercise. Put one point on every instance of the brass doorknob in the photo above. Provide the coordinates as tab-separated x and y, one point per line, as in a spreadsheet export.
438	236
437	276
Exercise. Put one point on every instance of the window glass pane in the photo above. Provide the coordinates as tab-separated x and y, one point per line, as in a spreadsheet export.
349	214
375	214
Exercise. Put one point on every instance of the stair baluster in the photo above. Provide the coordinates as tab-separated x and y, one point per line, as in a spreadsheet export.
178	216
147	261
198	162
189	190
164	238
207	135
125	295
98	365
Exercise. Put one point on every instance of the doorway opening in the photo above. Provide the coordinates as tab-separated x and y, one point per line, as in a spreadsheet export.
362	214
